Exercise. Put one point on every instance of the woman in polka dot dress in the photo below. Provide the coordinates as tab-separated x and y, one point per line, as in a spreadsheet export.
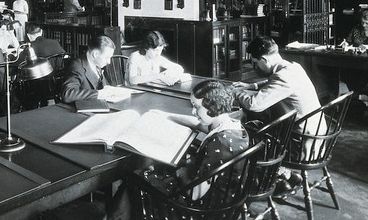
212	103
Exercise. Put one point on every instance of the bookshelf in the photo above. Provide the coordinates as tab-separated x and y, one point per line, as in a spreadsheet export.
308	21
230	40
74	38
97	12
212	49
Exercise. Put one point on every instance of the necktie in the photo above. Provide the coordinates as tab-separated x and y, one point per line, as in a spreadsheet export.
100	79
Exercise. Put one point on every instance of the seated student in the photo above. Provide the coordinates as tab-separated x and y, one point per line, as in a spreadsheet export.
42	46
225	138
145	65
358	37
288	87
7	39
38	91
85	79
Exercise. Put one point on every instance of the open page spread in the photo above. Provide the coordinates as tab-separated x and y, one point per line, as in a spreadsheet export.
158	137
100	128
151	134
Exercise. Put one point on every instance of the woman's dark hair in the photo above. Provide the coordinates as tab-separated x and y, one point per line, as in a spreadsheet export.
216	97
262	45
153	39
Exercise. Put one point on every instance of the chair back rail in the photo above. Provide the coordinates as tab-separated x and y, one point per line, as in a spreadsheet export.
229	187
115	72
312	145
275	136
58	63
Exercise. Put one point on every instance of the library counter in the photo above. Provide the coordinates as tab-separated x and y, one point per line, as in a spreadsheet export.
327	67
44	175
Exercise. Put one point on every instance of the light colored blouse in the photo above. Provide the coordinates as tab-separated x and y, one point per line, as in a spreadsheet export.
139	67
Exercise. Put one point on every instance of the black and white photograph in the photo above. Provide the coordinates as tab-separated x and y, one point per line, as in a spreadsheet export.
183	109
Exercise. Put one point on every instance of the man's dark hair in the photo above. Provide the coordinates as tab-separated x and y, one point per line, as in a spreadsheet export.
262	45
100	42
32	28
216	97
152	40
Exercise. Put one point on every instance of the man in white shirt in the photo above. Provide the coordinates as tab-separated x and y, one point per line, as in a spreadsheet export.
288	87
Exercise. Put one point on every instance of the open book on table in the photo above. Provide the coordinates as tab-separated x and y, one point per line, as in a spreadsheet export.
115	94
150	134
185	77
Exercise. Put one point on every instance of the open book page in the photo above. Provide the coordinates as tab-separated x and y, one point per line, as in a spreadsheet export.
184	77
100	128
158	137
115	94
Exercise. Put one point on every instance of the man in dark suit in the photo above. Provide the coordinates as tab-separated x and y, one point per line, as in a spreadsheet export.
42	46
85	79
35	93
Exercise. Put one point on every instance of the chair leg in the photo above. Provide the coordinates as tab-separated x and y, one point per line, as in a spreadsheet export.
307	196
330	187
274	213
244	212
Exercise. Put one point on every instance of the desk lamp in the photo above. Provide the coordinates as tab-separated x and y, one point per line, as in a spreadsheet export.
34	68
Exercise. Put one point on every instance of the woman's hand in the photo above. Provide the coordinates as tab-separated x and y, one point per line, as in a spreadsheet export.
168	79
243	85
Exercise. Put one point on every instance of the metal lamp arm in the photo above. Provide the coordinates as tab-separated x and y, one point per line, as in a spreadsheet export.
16	55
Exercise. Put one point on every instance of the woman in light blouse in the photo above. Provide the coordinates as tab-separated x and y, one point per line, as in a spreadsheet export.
145	65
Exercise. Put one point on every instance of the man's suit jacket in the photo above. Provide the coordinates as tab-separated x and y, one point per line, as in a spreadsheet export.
44	48
81	81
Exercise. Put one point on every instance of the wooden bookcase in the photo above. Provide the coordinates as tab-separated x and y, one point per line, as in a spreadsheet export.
308	21
230	40
74	38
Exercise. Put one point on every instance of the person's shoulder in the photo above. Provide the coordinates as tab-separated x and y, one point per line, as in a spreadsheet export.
136	55
75	64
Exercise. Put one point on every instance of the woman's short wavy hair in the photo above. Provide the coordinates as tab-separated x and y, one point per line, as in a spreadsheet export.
216	97
153	39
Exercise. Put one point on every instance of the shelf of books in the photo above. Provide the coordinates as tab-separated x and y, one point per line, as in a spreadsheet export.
74	38
219	51
230	40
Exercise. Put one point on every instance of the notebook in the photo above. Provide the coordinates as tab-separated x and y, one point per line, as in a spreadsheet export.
92	105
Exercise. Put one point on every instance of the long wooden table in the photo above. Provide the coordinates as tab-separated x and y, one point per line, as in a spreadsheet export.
44	176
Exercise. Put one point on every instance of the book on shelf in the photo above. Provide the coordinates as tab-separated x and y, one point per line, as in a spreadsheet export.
152	134
91	105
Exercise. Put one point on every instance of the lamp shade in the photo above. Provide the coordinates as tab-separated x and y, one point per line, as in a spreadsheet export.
34	67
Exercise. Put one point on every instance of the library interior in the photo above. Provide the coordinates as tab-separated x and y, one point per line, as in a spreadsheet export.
183	109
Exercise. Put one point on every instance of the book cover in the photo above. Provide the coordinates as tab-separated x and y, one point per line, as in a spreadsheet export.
92	105
151	134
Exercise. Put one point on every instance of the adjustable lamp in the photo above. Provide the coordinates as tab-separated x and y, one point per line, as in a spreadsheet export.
36	69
